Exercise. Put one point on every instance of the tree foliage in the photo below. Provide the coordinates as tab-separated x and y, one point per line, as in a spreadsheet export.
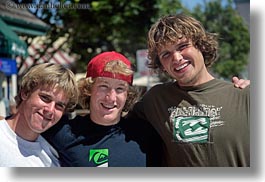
234	38
106	25
122	25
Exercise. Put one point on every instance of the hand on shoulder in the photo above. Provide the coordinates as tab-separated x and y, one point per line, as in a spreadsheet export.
240	83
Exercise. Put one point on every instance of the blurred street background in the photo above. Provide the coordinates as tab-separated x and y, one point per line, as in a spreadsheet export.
71	32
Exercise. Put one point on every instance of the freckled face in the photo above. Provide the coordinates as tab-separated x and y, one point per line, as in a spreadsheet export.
43	108
108	97
183	62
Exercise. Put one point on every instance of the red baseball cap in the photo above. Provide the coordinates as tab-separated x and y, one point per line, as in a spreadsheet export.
97	66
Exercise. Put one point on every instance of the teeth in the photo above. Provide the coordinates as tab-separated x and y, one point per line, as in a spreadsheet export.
182	66
108	106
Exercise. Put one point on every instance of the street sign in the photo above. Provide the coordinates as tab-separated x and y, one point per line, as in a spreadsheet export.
141	58
8	66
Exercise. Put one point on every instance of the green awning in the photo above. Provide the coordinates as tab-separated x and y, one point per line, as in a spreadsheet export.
28	31
10	43
22	26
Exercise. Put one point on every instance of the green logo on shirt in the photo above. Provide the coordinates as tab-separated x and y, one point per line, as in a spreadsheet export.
191	129
99	156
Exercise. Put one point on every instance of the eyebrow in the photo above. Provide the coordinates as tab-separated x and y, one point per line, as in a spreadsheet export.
176	45
102	80
62	103
159	55
49	95
122	84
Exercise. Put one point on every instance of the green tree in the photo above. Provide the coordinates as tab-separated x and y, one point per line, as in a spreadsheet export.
109	25
234	38
122	25
106	25
163	8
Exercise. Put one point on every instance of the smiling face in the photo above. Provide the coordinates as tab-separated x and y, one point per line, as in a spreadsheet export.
108	97
40	110
183	62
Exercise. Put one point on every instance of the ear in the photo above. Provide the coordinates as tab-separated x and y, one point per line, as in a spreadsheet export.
23	95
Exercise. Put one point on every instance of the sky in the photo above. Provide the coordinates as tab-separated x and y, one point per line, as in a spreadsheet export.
190	4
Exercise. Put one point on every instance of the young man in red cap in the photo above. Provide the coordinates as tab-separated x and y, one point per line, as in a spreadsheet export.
104	138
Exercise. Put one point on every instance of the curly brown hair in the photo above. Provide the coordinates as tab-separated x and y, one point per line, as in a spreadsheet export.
171	28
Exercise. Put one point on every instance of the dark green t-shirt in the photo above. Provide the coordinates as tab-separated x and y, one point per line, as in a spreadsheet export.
206	125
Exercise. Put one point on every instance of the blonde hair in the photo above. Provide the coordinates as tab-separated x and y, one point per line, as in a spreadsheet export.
50	75
117	66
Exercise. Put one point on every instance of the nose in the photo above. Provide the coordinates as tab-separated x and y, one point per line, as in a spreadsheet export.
49	110
177	56
111	95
